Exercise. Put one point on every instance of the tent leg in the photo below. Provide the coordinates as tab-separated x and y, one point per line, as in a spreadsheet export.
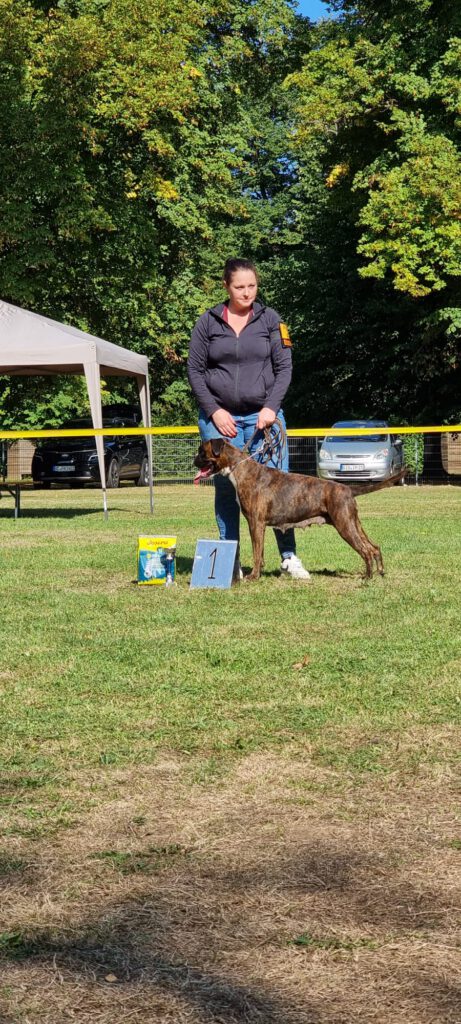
151	485
144	398
93	383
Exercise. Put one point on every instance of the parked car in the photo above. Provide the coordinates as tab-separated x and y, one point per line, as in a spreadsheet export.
371	457
74	461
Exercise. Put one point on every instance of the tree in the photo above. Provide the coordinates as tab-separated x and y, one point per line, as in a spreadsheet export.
377	105
128	139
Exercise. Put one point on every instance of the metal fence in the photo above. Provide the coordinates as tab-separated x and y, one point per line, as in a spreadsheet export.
431	457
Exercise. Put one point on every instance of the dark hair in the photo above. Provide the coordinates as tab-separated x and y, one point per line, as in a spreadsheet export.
233	265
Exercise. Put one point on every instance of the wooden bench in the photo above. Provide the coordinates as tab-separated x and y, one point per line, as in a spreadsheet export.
15	491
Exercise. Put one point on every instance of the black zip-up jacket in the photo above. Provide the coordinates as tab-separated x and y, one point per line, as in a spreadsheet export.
240	374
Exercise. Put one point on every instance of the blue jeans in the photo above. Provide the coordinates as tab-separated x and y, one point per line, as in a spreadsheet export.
227	509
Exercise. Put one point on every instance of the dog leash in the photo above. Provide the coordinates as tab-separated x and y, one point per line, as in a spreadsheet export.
273	445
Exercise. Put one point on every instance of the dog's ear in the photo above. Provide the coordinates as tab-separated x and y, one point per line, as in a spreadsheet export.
216	446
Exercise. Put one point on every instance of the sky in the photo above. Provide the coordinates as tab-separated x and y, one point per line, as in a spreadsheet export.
314	9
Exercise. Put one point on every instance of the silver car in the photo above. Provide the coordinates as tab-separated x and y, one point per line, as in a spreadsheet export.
371	457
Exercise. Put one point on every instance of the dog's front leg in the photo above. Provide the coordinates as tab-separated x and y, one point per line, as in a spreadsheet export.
257	530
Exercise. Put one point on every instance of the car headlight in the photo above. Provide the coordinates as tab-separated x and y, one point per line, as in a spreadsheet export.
382	454
325	454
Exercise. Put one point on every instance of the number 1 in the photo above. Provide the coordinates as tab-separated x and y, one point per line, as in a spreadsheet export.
213	557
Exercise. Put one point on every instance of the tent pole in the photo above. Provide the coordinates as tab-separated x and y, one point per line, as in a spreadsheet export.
149	452
144	399
93	383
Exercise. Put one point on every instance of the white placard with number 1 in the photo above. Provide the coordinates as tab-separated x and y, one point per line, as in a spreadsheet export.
214	564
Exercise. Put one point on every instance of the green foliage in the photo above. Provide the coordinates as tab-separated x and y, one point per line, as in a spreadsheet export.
386	109
41	402
411	218
142	144
308	941
148	861
413	451
377	137
176	407
47	402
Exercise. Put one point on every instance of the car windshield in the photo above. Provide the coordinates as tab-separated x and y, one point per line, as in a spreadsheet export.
376	438
382	438
86	424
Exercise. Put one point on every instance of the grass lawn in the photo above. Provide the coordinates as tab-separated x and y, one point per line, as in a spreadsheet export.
228	806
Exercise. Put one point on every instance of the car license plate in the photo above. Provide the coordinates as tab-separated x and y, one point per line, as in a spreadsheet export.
63	469
351	467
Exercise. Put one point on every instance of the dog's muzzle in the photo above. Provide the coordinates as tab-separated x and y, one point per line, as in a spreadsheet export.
205	466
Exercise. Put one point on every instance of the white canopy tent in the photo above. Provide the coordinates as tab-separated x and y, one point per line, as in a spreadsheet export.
34	344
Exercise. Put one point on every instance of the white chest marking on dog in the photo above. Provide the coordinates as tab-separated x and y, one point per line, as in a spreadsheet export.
234	483
228	472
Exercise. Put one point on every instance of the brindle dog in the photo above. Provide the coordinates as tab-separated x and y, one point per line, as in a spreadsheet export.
269	497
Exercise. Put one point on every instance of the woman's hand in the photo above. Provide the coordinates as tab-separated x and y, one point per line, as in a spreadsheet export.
266	418
225	423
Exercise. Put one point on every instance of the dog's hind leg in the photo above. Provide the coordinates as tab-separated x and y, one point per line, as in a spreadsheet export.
348	527
375	549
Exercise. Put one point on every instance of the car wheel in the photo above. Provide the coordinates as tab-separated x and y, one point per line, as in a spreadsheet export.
113	474
395	469
42	485
143	478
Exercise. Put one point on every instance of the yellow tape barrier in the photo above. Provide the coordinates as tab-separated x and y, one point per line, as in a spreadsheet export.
17	435
349	431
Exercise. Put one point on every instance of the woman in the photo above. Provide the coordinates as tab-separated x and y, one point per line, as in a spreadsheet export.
239	369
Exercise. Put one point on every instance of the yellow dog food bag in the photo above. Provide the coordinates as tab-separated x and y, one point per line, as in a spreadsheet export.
156	560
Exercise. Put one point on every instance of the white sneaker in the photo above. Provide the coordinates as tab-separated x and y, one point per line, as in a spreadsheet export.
293	567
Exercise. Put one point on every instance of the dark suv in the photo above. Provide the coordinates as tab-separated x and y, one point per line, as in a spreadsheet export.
74	461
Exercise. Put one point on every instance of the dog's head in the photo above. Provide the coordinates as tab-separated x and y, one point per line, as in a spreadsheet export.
210	459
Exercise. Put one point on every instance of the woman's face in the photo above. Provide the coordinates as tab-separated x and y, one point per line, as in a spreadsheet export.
242	290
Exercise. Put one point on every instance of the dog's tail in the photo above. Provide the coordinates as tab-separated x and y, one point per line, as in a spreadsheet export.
365	488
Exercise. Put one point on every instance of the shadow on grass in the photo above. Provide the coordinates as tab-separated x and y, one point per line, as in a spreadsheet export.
184	565
335	573
350	890
170	943
219	998
55	513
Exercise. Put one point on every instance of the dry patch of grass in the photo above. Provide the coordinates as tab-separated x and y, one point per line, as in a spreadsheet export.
283	892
